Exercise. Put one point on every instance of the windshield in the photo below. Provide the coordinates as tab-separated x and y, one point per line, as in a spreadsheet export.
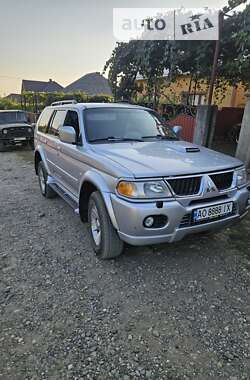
124	124
12	117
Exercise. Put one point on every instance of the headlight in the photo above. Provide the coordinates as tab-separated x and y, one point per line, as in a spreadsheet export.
5	132
144	190
241	176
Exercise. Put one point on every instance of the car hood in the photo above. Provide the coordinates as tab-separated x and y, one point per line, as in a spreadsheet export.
165	158
13	125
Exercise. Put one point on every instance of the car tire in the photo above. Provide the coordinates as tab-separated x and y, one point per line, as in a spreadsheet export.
31	144
46	190
25	144
2	147
104	238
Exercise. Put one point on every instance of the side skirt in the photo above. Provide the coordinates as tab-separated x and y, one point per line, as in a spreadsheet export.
64	194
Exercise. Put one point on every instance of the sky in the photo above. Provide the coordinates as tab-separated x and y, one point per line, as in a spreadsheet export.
63	39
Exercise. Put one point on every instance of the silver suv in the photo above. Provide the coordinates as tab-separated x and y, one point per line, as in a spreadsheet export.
128	174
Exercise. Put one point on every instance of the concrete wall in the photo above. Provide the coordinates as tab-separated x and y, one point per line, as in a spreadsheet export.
243	149
205	125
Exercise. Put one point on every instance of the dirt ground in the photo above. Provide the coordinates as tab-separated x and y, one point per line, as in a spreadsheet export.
177	311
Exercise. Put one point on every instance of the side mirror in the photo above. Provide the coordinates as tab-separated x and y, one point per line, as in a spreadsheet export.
67	135
177	130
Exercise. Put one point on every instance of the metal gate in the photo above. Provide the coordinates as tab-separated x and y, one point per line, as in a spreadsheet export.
182	115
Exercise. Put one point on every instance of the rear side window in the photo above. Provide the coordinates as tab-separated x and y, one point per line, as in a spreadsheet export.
44	120
58	121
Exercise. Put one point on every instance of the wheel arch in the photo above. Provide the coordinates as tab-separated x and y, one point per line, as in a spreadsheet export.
39	156
91	182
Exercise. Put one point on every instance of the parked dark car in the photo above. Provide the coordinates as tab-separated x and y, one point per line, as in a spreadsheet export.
15	129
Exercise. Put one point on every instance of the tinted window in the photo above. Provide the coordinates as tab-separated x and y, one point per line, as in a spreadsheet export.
118	123
72	120
58	121
12	117
44	120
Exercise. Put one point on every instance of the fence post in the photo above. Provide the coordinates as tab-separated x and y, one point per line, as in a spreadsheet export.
205	125
243	148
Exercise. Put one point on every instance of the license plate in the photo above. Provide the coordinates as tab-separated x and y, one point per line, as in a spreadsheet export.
20	139
212	212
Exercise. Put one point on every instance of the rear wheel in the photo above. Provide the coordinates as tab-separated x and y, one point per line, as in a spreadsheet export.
104	238
46	190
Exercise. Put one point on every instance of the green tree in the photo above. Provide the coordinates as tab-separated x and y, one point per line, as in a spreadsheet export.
7	104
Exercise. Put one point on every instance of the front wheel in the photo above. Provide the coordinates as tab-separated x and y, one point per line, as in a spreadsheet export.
104	238
2	147
29	144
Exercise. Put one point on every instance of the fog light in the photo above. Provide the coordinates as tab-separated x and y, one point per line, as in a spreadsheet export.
149	221
155	221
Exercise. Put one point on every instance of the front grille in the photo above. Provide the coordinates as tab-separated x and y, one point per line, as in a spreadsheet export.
187	220
222	181
185	186
17	132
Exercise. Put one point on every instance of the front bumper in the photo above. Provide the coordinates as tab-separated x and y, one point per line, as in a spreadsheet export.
130	216
17	140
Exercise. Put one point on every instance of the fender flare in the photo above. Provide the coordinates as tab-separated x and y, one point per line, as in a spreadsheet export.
96	179
99	182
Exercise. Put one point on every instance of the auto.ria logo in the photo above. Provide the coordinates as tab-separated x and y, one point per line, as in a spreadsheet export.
196	24
165	24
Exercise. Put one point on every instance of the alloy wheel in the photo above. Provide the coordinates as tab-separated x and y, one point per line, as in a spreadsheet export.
95	225
41	179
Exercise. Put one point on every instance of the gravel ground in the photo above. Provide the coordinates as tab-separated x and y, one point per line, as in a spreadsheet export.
177	311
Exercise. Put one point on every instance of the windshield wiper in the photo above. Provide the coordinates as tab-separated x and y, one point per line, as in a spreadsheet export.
152	137
160	137
115	139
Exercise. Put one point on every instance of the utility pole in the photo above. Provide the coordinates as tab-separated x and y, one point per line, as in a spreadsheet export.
215	62
209	112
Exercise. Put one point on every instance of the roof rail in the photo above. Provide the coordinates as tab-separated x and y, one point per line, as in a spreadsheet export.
62	102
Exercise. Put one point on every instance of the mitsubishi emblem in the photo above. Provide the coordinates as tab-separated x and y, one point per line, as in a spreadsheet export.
210	186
